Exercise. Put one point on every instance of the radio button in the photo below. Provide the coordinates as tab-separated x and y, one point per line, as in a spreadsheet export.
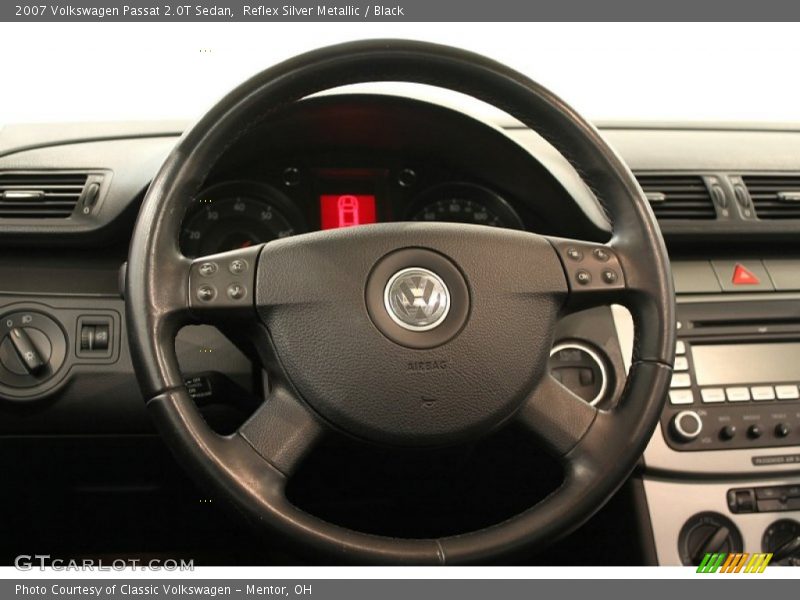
680	380
763	392
737	394
713	395
787	392
754	432
687	425
681	397
680	347
681	363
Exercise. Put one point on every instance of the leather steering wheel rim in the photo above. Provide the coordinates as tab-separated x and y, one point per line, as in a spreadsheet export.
599	449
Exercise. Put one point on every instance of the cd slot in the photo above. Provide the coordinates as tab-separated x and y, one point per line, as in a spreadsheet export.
753	323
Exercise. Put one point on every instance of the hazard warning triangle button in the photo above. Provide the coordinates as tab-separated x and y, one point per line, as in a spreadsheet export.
742	276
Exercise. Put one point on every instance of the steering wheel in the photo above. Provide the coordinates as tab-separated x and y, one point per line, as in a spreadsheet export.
405	334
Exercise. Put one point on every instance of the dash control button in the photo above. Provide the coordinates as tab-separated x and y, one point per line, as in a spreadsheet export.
737	394
681	397
711	395
763	392
787	392
680	380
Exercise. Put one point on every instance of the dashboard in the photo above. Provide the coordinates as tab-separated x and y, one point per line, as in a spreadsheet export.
237	214
728	445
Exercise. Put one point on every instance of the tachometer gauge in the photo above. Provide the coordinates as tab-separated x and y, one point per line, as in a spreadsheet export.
236	215
465	203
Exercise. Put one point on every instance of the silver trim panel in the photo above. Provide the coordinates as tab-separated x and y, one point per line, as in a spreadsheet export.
667	515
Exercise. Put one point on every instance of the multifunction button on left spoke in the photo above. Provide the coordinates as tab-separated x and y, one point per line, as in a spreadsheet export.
223	282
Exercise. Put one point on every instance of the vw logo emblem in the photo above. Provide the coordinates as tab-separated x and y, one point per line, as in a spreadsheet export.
416	299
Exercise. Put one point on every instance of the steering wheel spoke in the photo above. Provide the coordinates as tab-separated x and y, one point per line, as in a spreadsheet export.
282	430
221	287
556	416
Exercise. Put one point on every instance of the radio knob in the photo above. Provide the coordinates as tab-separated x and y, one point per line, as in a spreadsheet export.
782	430
728	432
687	425
754	432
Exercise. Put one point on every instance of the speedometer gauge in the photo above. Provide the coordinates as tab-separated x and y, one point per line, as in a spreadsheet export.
237	215
465	203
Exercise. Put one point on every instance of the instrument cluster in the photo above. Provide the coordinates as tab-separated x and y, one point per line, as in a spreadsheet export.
238	213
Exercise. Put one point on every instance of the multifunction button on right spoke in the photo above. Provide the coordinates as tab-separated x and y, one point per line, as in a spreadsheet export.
590	267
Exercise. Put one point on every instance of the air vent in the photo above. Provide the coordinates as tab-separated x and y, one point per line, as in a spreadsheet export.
774	196
678	196
43	195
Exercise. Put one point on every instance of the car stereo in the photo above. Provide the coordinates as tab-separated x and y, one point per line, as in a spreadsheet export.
737	377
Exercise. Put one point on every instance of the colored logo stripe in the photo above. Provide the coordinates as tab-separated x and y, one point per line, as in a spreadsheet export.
734	563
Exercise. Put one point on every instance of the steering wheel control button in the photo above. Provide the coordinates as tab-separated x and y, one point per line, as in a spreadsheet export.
417	299
574	254
600	273
207	269
681	397
225	286
600	254
237	266
206	293
687	425
236	291
610	276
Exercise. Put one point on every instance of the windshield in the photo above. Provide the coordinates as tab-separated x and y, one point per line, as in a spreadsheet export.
664	72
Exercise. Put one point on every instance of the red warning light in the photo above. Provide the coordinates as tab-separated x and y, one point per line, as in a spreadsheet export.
346	210
742	276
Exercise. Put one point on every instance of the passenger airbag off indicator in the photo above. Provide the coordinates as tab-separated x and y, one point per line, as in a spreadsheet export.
741	276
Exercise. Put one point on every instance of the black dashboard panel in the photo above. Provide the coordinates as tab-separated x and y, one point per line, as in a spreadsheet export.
383	159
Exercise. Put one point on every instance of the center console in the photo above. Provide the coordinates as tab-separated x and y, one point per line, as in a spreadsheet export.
722	471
